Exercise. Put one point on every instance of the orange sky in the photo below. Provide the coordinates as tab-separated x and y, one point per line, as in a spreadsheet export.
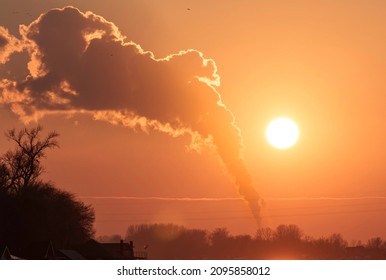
319	62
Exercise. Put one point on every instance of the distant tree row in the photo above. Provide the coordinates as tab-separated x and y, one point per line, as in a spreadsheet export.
170	241
32	210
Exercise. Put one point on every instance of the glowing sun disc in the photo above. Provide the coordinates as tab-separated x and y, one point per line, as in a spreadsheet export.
282	133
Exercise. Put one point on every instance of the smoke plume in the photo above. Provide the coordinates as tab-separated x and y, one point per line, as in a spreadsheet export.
80	62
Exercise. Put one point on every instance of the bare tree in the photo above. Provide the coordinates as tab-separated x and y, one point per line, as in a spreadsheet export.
336	240
264	234
288	233
375	243
22	166
34	210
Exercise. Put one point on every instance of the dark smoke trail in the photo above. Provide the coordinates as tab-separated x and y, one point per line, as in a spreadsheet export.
79	62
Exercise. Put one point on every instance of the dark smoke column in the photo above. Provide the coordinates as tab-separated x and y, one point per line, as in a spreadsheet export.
227	139
81	63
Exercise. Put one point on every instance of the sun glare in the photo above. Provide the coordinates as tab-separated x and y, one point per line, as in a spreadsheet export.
282	133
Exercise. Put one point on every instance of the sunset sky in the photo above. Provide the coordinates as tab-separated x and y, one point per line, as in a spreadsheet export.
144	139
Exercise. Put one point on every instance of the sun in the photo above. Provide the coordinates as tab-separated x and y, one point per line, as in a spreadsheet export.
282	133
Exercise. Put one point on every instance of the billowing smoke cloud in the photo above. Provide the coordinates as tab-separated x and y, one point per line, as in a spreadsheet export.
79	62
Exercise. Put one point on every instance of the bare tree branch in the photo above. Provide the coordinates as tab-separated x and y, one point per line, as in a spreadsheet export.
22	166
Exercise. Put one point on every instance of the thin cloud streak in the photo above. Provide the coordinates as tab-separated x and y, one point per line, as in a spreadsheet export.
162	198
209	199
327	198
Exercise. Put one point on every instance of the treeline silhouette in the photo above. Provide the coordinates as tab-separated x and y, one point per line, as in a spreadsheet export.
170	241
32	210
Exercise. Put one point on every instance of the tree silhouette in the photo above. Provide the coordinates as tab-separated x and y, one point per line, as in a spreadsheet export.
288	233
32	210
375	243
219	240
22	167
170	241
264	234
336	241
